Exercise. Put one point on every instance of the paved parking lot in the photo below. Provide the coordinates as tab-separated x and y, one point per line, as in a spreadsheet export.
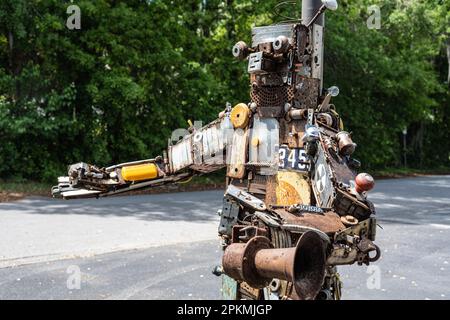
165	246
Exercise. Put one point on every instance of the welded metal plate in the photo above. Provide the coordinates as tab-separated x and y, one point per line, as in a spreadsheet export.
317	70
228	217
229	288
270	33
263	149
328	222
213	143
209	144
245	198
255	63
181	154
237	154
291	133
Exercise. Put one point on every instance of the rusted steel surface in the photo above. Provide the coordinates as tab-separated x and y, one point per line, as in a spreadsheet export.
271	193
306	93
328	222
291	133
243	233
257	263
292	188
270	100
239	261
348	204
258	185
276	263
345	143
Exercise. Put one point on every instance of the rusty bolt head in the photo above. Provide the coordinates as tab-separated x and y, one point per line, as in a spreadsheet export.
349	220
281	44
240	50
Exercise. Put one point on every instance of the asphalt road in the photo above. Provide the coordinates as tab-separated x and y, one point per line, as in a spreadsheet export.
42	229
44	243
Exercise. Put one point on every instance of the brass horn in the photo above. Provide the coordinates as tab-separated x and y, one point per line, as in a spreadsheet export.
257	263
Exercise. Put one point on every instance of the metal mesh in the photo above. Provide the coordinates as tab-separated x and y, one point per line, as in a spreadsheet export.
306	93
266	97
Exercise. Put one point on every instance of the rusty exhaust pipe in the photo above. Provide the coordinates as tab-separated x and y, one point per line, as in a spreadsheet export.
257	263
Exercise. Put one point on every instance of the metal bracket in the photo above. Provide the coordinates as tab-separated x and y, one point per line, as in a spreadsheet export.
229	216
245	198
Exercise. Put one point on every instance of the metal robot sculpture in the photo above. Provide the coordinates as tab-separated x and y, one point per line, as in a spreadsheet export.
294	207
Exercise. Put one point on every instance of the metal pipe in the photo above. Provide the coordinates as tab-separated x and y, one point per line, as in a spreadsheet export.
257	263
309	10
276	263
316	16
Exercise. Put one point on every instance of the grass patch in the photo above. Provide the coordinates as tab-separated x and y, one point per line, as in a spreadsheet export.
212	178
25	187
408	172
13	190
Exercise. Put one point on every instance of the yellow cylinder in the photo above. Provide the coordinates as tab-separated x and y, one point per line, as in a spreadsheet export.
140	172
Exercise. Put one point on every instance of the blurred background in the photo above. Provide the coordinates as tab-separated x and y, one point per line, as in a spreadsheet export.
115	89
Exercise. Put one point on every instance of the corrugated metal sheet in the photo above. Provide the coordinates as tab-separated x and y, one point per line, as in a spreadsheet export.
181	154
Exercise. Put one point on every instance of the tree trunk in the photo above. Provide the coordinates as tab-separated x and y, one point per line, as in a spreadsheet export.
230	24
12	71
448	59
11	48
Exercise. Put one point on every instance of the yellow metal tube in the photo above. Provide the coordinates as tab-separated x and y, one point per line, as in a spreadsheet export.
140	172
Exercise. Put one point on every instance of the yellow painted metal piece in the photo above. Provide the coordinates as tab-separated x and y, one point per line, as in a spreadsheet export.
292	188
240	116
255	142
140	172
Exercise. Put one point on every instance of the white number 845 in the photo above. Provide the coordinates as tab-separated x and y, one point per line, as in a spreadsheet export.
293	159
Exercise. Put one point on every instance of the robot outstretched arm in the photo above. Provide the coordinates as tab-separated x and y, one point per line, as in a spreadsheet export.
86	180
200	151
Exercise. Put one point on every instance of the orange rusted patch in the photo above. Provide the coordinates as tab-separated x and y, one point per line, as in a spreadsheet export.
292	188
287	195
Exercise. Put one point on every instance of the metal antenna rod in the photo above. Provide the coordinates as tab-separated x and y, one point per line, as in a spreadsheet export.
309	10
318	14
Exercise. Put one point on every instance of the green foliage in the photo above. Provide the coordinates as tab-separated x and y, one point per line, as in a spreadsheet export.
114	90
387	77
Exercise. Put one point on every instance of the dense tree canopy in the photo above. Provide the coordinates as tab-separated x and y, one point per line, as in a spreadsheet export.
115	89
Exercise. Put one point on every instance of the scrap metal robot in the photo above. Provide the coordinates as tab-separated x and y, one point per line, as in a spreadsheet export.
294	207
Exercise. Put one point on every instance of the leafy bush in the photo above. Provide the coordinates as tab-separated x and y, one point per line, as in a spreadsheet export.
114	90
